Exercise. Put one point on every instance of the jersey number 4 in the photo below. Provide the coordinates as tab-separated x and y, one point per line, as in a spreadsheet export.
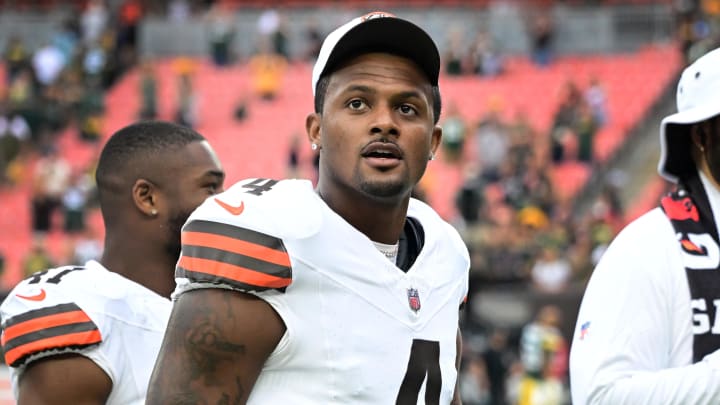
424	365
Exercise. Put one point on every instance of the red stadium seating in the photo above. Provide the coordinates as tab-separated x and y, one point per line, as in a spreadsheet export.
257	146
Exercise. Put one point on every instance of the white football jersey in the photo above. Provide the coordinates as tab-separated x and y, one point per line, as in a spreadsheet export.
115	322
359	329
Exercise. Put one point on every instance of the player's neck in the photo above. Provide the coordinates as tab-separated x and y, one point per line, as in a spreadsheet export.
380	222
153	270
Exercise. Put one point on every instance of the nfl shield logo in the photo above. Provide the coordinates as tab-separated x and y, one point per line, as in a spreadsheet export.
413	299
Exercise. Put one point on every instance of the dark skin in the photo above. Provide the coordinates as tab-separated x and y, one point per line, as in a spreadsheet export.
139	242
706	151
374	98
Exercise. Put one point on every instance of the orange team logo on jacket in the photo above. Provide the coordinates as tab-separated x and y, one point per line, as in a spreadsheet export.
681	209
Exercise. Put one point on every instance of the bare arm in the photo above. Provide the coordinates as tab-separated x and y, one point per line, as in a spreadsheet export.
64	379
458	358
215	346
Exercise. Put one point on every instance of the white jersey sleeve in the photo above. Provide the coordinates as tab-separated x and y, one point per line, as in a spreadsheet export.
235	240
633	339
40	319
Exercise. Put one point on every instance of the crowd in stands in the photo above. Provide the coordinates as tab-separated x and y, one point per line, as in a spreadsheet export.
47	91
518	229
698	27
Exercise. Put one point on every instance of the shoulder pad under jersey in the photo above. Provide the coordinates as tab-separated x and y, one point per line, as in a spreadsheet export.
236	238
41	316
287	209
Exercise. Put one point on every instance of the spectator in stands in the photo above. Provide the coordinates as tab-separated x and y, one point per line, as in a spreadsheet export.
551	272
67	39
273	37
48	62
313	40
537	187
474	384
148	91
571	98
14	136
469	199
522	138
542	351
91	111
16	57
454	134
596	99
187	107
561	142
221	32
94	21
492	142
293	160
455	57
50	180
267	69
37	258
130	14
88	246
498	356
179	11
75	202
585	128
281	38
542	35
485	57
21	90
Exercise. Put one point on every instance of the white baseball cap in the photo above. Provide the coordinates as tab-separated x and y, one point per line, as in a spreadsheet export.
378	31
698	99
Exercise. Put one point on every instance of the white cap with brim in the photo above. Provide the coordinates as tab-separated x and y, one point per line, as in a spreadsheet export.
378	32
698	99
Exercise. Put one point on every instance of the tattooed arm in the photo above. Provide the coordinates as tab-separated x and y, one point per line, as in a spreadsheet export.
214	348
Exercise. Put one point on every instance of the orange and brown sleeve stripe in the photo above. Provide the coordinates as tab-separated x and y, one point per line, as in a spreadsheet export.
219	253
61	326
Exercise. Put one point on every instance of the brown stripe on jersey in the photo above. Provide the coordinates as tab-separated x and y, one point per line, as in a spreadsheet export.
226	254
71	341
234	232
274	263
37	313
57	327
210	271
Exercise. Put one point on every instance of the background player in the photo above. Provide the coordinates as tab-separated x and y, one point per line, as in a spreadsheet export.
647	331
90	334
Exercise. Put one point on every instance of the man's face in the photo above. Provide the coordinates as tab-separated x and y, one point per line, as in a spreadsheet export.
376	130
196	174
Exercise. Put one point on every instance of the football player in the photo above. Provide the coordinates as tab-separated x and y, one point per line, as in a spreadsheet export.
90	334
347	293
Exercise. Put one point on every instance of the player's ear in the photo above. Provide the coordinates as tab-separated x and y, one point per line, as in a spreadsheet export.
312	127
435	139
144	194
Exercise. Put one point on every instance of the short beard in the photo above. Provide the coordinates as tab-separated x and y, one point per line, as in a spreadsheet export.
383	190
173	247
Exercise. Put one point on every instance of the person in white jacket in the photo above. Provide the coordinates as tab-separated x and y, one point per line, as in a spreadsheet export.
648	330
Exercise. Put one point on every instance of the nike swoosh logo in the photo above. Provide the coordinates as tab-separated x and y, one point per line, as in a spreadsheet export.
37	297
231	208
